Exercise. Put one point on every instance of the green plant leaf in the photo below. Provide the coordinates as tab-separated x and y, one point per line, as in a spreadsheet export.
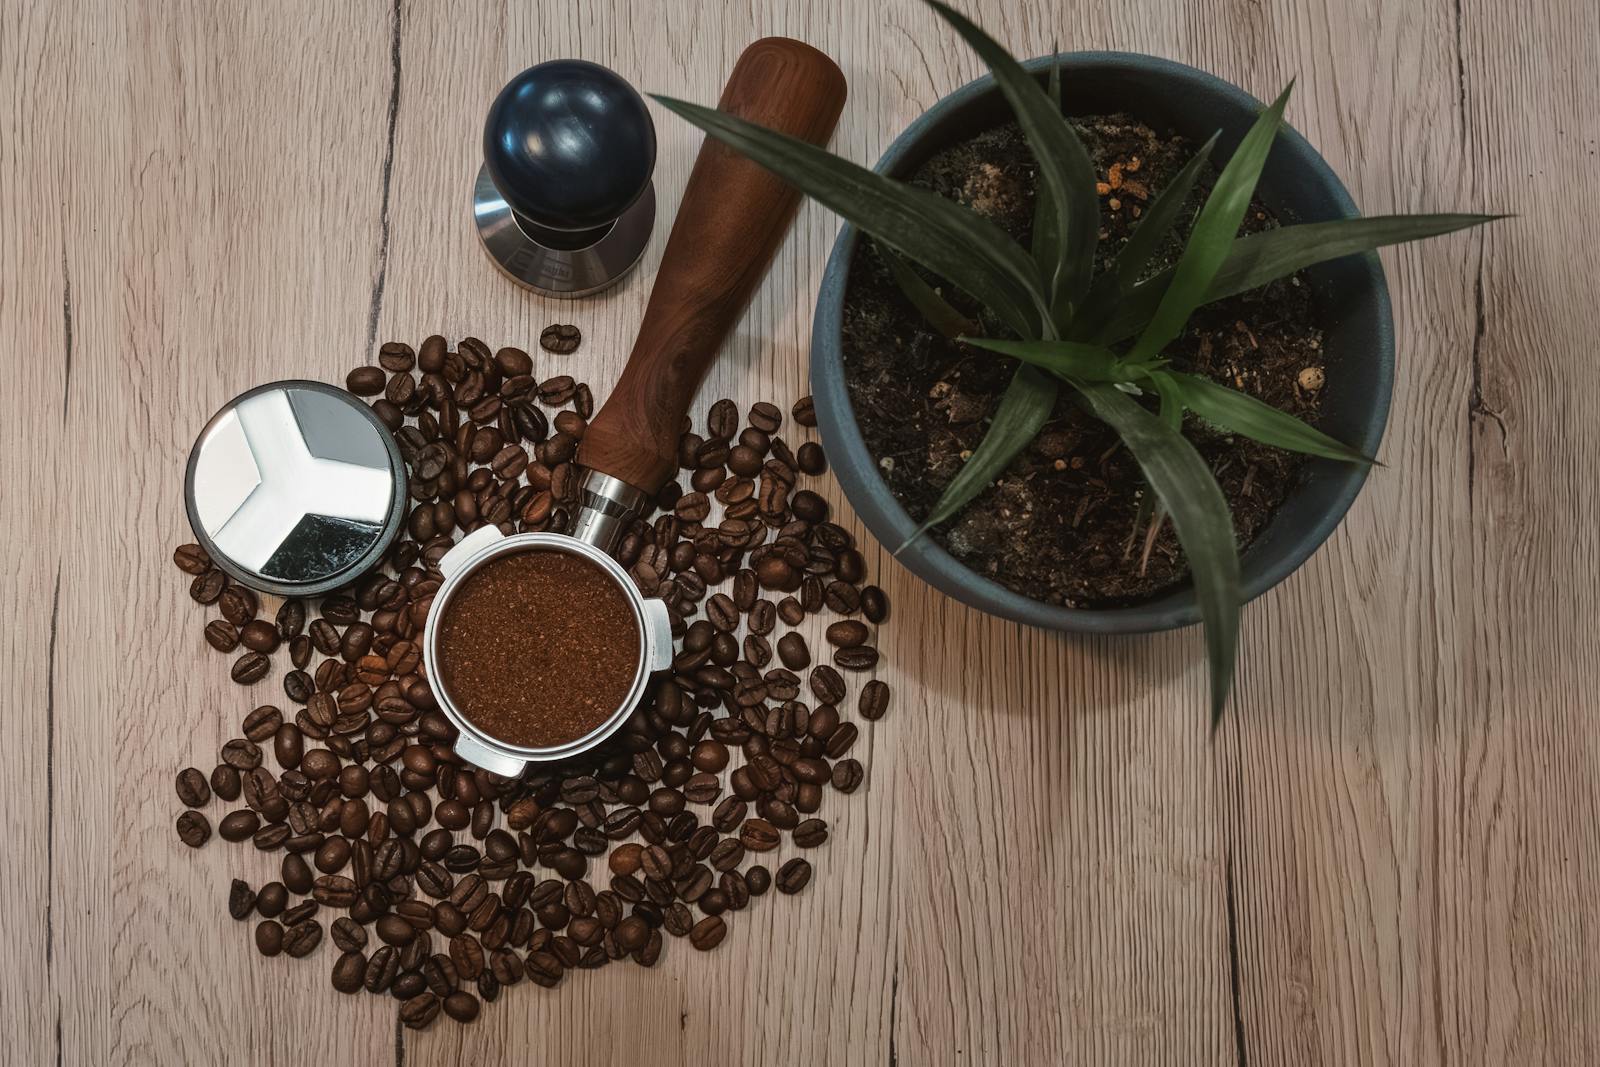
1064	165
948	239
933	307
1061	358
1023	409
1260	258
1214	232
1171	398
1200	515
1236	412
1046	246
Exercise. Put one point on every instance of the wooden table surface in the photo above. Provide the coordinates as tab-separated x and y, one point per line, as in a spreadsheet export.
1388	855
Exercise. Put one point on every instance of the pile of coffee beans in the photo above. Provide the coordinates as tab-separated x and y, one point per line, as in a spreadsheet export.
439	883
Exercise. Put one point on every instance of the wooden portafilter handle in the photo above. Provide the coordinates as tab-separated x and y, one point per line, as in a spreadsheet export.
733	216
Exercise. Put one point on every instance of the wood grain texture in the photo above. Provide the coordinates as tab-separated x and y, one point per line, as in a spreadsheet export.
1387	855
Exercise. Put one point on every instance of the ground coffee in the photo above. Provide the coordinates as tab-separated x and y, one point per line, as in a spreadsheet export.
538	648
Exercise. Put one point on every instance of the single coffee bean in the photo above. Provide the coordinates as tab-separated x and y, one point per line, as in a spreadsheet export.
222	635
225	782
562	339
241	899
194	829
237	604
239	825
461	1006
191	559
193	790
272	900
207	587
847	775
858	658
793	876
250	668
349	935
302	938
765	417
758	879
419	1011
708	933
810	833
258	635
366	381
847	633
792	651
759	835
827	685
874	604
349	971
874	700
811	459
269	937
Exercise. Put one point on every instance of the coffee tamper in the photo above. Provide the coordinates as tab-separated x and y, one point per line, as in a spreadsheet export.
563	202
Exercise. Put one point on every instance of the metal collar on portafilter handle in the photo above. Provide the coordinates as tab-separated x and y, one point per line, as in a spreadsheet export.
733	217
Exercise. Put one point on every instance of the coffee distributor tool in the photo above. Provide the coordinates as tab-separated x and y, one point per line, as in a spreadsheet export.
733	216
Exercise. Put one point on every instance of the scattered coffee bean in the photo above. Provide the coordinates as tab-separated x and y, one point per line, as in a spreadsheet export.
561	339
269	937
708	933
191	559
250	668
222	635
793	876
193	790
194	829
241	899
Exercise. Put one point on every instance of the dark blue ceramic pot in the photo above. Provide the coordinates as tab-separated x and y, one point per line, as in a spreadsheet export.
1350	297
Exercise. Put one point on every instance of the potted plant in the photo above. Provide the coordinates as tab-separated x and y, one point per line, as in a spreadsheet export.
1120	347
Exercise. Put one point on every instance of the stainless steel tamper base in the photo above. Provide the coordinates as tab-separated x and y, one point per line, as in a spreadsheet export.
560	272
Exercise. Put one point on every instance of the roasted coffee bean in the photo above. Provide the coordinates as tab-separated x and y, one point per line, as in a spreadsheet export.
827	685
349	971
193	790
194	829
238	605
790	611
874	604
810	833
708	933
296	874
208	586
348	935
847	775
269	937
239	825
419	1011
225	782
272	899
847	633
759	835
874	700
562	339
241	899
793	876
191	559
250	668
222	635
792	651
262	722
258	635
366	381
859	658
302	938
810	458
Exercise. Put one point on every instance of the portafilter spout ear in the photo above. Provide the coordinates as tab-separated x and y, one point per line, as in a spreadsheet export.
733	217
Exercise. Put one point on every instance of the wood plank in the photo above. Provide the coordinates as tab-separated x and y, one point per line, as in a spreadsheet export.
36	330
1383	858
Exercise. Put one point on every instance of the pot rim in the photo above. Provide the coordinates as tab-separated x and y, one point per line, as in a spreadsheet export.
510	545
887	519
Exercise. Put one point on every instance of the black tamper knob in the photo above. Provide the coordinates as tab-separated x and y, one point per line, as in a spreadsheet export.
564	202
